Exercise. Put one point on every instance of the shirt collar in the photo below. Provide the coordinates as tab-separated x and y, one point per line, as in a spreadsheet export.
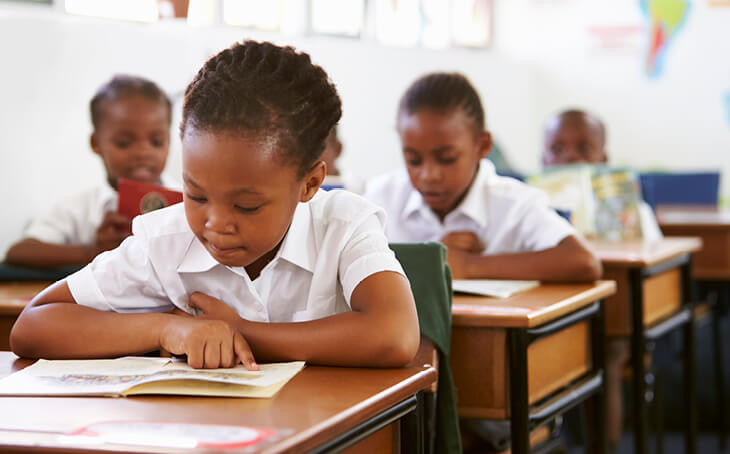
197	259
297	247
473	205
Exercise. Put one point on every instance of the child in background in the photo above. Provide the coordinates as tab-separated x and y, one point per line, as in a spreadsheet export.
576	136
131	118
494	227
336	179
256	260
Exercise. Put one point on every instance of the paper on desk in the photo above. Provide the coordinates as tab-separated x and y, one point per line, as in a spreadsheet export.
492	287
133	375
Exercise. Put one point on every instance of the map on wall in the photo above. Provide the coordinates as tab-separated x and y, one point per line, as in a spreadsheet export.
664	19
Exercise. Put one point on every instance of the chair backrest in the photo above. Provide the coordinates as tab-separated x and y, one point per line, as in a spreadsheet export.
698	188
430	278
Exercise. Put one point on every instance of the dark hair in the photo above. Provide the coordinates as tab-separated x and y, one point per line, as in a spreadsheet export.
589	118
121	86
443	92
273	92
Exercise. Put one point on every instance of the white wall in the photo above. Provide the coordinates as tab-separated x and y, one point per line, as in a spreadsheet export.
51	64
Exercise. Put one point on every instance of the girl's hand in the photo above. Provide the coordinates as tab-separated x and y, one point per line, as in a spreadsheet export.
458	261
213	308
113	230
209	344
465	241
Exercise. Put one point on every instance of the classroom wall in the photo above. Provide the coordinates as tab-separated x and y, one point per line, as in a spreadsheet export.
540	60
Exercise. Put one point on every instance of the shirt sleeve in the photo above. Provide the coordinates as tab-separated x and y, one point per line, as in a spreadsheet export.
540	227
58	226
121	280
365	253
649	227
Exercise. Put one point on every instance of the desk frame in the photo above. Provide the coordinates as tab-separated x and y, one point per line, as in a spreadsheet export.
640	335
525	417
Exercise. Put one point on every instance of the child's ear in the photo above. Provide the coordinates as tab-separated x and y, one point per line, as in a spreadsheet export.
94	142
484	142
312	181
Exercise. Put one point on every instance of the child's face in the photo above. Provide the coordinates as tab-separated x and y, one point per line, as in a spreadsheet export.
571	140
133	139
239	199
442	153
332	151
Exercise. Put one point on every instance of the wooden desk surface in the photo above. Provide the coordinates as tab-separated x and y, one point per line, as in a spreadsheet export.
529	308
693	216
709	223
15	295
318	404
638	253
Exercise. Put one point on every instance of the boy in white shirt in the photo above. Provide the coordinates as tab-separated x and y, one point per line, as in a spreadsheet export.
131	118
575	136
255	261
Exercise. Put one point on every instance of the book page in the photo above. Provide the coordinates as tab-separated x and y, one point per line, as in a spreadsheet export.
491	287
124	375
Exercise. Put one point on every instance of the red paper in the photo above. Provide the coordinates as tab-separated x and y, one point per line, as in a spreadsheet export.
137	198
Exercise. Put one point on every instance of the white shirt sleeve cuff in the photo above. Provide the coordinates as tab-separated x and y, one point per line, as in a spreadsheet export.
366	266
85	290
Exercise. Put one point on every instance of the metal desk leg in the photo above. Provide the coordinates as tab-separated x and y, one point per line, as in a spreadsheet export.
412	432
688	297
518	397
637	361
598	346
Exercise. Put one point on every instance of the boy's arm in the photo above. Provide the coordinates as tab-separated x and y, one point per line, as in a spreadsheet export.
53	326
38	254
380	331
569	260
41	254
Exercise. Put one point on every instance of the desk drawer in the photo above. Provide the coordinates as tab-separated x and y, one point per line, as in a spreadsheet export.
713	260
662	297
479	362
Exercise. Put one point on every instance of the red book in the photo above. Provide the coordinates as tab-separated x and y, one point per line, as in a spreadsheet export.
136	197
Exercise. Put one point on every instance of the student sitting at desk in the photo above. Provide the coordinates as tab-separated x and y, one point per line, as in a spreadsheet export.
256	259
571	137
576	136
131	118
494	227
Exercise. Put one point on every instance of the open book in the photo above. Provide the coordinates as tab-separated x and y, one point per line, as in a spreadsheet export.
142	375
491	287
603	201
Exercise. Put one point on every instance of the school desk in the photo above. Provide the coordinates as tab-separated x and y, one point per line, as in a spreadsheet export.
653	297
13	298
711	268
322	408
530	357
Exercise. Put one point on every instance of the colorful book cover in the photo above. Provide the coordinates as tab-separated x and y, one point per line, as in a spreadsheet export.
570	190
137	198
603	201
618	196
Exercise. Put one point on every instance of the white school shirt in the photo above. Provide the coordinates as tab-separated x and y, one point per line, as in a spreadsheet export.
650	230
334	242
507	215
74	220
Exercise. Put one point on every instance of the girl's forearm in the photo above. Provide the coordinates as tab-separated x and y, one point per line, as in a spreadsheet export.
69	330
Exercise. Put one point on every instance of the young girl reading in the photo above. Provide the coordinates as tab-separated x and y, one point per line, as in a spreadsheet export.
269	265
494	227
131	118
